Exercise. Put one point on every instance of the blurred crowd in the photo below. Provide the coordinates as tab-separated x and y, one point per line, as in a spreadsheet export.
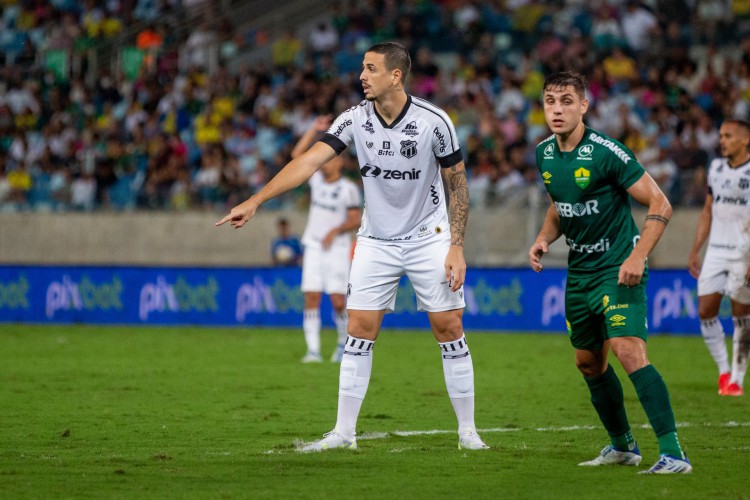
179	130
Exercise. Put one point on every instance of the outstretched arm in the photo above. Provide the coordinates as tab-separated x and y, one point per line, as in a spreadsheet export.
549	233
701	235
458	192
646	192
292	175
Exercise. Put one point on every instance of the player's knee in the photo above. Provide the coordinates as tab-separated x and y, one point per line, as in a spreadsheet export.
312	300
706	312
708	307
448	328
590	368
338	303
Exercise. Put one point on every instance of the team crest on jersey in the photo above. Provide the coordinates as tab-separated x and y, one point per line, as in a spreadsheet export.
583	177
410	129
584	152
408	149
370	145
547	176
605	300
744	183
368	127
548	151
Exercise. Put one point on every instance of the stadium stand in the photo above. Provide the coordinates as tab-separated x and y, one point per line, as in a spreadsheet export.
177	105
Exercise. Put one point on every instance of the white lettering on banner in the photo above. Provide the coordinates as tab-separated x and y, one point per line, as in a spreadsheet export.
63	296
553	303
254	298
157	297
675	302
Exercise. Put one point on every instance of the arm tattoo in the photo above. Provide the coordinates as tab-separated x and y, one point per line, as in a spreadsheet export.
458	191
658	218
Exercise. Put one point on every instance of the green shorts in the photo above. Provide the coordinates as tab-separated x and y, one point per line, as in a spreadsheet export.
597	309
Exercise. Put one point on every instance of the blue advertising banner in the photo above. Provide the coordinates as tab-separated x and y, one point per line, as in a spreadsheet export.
496	299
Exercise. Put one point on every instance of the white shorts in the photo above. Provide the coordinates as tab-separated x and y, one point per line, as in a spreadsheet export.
326	271
379	265
726	277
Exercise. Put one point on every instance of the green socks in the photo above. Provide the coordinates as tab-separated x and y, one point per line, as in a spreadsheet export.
654	397
608	400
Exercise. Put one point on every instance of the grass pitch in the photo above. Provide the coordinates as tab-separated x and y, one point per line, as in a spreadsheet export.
135	412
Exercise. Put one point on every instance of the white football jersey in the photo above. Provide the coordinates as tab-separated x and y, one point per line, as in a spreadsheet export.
329	204
730	212
400	165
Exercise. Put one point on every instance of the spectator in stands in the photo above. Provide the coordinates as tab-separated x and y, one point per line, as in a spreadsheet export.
323	39
482	49
285	50
639	26
286	249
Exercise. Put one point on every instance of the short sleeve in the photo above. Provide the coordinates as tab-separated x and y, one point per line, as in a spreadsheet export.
445	143
627	169
341	133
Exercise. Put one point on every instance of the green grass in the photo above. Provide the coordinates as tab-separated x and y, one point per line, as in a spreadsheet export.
133	412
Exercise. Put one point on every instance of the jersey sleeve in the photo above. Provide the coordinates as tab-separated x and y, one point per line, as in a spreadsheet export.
626	168
341	133
445	141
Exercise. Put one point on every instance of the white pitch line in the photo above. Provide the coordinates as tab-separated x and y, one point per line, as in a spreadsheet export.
430	432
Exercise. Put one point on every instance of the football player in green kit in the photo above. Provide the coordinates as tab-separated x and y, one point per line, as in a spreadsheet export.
590	179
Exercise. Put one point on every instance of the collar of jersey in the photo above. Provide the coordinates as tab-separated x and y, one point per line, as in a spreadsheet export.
565	154
398	118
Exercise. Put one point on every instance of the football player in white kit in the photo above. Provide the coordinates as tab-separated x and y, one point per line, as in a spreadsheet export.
407	149
335	210
725	222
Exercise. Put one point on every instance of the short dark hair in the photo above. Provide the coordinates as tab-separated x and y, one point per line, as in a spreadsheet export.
396	57
740	123
564	79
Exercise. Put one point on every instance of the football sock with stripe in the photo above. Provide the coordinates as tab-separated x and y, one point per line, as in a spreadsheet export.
609	402
654	397
458	370
713	336
311	328
741	348
354	377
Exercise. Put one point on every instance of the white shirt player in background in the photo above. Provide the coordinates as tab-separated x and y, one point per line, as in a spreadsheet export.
725	222
335	210
406	148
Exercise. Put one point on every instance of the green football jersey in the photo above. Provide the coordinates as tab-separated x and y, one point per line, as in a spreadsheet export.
588	187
